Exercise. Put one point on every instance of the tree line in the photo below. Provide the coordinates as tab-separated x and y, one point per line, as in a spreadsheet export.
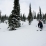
3	18
16	16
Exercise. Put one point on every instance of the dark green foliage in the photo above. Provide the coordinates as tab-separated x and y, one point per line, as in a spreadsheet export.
44	17
38	16
3	18
21	17
35	17
14	18
40	13
24	17
11	21
0	15
30	17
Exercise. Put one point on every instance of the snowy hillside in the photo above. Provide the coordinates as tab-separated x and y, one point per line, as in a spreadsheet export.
26	35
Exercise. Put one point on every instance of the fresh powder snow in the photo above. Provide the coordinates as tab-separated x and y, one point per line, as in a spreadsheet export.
26	35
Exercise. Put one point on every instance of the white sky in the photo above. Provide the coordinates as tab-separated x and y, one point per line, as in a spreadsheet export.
6	6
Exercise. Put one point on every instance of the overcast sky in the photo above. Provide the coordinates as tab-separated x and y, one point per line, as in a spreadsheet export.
6	6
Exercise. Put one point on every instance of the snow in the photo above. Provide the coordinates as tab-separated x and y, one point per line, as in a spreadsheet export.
26	35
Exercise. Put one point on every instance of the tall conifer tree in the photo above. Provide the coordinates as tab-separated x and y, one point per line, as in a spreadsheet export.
14	18
24	17
40	13
30	17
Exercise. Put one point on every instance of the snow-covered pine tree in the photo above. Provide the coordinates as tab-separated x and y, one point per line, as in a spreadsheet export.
35	16
38	16
24	17
40	13
14	18
30	17
45	16
0	15
21	17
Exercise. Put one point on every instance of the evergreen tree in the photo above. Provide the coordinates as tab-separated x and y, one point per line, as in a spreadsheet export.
3	18
21	17
38	16
0	15
30	17
40	13
45	17
24	17
35	17
14	18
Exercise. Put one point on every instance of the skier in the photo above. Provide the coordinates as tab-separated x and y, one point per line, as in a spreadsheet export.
40	25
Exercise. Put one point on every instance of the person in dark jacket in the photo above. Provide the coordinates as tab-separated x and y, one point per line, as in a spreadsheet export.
40	25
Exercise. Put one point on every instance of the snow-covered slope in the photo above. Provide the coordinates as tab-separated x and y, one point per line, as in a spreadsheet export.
26	35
